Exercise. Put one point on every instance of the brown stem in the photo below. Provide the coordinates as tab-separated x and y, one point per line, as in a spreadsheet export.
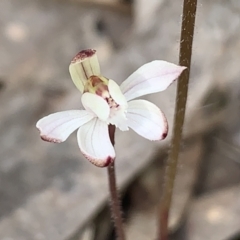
187	32
115	203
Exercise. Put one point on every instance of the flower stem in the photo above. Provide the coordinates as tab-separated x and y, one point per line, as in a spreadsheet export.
115	203
187	32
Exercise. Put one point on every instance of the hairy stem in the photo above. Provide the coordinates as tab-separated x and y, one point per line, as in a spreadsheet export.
187	32
115	203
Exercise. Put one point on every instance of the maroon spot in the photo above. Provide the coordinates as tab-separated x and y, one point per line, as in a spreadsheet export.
109	160
83	54
48	139
164	135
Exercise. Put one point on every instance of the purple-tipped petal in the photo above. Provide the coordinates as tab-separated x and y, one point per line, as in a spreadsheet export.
147	120
152	77
58	126
95	144
84	65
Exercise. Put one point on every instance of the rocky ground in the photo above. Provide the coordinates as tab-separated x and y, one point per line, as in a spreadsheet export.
50	192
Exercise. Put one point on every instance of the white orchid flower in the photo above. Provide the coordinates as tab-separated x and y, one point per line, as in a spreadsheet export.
106	102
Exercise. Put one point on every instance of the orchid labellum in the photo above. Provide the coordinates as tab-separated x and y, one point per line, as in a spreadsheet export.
106	102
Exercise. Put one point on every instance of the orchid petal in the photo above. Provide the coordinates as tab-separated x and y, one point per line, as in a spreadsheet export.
58	126
147	120
84	65
94	143
152	77
116	93
96	104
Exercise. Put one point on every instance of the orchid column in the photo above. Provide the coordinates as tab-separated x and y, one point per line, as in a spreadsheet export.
108	104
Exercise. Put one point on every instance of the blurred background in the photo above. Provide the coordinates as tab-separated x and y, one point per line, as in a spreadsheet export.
49	191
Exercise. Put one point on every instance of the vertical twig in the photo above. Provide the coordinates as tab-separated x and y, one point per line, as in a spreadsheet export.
115	203
187	32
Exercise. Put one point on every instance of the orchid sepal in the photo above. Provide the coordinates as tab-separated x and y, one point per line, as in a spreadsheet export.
84	65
